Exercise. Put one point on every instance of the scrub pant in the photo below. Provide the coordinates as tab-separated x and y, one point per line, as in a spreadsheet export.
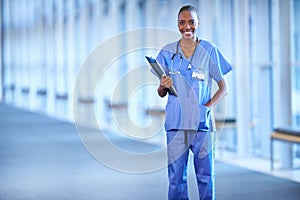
180	142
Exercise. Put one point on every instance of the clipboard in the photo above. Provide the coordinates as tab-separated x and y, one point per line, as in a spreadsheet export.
159	72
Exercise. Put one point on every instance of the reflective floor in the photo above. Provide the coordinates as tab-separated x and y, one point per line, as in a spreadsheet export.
263	165
44	158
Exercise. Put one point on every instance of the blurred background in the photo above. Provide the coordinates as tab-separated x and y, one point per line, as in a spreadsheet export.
47	45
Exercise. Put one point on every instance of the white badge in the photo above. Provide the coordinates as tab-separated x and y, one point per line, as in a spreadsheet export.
198	75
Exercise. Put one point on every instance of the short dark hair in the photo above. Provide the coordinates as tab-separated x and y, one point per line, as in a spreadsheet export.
189	8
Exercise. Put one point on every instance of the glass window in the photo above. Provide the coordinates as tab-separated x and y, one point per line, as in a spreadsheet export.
261	73
295	36
296	30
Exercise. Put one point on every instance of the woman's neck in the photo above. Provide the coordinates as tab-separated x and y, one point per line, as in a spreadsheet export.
188	46
188	42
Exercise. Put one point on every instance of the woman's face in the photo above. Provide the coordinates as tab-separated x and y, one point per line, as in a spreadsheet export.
188	24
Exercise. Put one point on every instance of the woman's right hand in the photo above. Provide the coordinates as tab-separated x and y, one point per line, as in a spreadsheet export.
166	82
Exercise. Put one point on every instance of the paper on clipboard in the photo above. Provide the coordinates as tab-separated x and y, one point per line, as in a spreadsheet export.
159	72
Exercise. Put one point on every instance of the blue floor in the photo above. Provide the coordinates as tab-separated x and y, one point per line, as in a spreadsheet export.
43	158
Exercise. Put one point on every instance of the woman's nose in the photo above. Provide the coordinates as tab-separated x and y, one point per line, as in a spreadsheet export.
187	26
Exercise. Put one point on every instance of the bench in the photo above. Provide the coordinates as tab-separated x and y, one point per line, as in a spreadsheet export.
286	134
225	123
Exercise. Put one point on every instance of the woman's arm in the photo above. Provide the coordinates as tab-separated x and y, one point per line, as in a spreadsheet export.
220	94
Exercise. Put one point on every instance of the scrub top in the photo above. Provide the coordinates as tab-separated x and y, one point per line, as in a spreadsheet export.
193	84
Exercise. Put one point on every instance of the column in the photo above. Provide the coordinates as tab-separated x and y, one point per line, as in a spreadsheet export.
71	14
49	44
242	70
39	35
6	35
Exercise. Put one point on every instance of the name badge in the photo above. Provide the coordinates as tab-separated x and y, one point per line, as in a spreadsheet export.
198	75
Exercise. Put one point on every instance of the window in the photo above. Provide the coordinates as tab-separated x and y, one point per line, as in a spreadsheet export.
295	37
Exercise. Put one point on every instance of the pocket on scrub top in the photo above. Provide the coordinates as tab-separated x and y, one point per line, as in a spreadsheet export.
173	113
205	117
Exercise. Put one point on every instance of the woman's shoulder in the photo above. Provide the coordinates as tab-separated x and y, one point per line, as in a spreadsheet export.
207	44
170	46
168	49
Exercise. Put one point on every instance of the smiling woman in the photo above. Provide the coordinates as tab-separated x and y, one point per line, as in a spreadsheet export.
189	121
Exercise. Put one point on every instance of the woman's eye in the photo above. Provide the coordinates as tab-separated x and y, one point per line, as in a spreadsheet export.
192	22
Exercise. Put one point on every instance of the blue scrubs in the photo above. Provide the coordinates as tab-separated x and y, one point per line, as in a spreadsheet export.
189	122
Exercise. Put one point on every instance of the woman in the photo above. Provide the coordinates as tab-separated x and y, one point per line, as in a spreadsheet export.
191	65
